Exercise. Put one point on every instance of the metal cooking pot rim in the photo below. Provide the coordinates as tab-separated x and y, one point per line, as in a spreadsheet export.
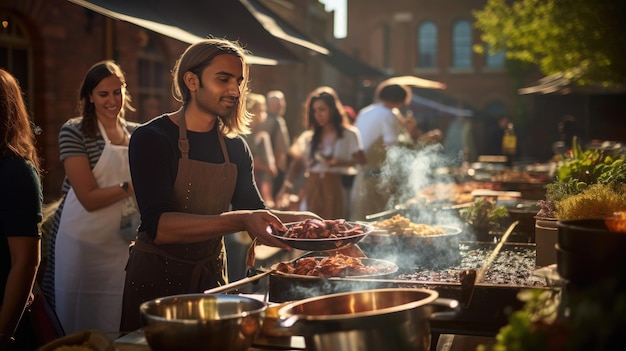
432	295
585	225
145	306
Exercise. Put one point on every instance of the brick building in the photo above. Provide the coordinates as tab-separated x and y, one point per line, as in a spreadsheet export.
433	39
49	46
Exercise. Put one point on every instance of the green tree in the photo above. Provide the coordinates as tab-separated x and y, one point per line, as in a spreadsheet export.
584	39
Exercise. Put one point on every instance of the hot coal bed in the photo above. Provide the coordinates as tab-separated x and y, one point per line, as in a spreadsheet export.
485	280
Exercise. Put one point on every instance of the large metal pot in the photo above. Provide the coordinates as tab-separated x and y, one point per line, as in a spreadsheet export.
379	319
197	322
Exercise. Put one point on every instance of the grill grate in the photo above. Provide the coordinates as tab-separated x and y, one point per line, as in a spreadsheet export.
513	265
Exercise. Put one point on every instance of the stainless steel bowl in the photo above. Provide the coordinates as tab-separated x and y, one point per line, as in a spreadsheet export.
201	322
367	320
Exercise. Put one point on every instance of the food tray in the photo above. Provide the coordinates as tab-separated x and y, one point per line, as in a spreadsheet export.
323	244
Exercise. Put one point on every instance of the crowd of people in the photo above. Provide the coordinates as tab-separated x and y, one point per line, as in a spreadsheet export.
146	208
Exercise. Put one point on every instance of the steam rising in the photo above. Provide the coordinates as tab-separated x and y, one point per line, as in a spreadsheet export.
407	171
405	174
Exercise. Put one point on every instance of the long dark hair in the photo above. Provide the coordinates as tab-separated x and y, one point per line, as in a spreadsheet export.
17	138
87	109
338	117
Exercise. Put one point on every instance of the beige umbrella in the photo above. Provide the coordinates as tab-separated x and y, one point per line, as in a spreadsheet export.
413	82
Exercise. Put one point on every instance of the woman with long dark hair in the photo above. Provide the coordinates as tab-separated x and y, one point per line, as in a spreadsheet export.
20	208
329	148
98	217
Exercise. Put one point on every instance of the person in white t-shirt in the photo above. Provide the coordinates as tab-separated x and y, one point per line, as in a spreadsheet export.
329	148
380	126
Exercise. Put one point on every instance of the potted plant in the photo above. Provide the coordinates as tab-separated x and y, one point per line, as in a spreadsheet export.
482	215
593	319
589	184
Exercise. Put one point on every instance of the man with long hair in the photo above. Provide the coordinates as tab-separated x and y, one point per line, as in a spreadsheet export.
194	183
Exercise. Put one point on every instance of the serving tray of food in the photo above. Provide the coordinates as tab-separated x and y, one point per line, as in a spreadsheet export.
337	265
322	235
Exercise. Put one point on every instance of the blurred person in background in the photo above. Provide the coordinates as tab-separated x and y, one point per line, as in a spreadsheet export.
194	181
20	211
329	148
276	126
351	113
459	142
380	125
493	135
347	179
265	170
261	148
417	137
99	216
567	130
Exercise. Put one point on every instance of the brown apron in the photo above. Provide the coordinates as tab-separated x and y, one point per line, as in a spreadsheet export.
367	198
155	271
324	195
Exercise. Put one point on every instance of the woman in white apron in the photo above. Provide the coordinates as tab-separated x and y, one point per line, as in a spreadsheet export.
100	219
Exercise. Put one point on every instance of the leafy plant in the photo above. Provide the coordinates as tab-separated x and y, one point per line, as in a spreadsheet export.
591	166
595	201
595	320
483	212
580	169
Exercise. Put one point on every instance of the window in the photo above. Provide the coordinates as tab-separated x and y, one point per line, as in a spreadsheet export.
427	45
152	90
462	45
496	60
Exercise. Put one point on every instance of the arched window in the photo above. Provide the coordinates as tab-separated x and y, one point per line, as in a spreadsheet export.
462	44
16	55
427	45
496	60
152	86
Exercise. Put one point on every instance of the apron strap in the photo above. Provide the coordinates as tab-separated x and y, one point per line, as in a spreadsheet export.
183	142
223	145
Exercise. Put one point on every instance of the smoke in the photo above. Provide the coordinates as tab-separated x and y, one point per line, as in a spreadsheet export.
285	288
405	174
407	171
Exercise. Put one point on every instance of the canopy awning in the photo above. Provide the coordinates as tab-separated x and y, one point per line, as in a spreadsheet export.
190	21
554	83
562	84
280	28
349	65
